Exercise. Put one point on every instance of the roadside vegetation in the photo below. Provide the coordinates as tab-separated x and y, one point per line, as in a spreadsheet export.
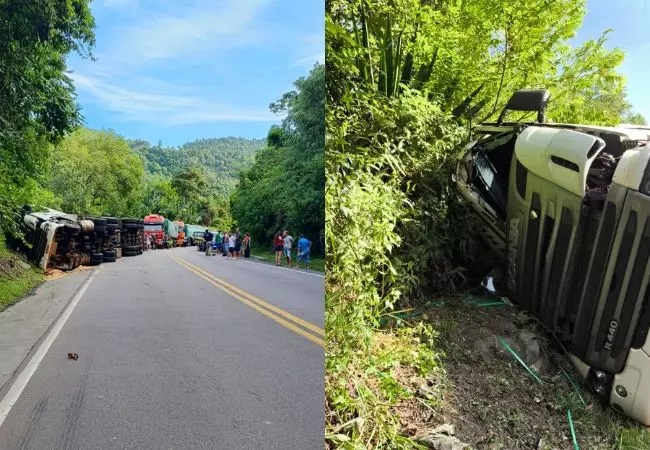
405	79
17	276
284	188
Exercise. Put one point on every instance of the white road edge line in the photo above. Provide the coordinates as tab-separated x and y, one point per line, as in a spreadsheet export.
21	381
284	268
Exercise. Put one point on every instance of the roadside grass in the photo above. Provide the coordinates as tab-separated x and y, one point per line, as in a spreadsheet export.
16	279
373	398
264	254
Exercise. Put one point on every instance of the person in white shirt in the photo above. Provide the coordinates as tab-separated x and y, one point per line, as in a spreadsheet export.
288	241
232	240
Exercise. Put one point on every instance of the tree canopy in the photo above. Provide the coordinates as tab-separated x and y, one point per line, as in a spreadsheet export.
37	103
284	189
221	158
95	172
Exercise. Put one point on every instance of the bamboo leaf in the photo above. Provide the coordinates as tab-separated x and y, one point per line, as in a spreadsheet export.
463	107
366	41
388	49
398	64
425	72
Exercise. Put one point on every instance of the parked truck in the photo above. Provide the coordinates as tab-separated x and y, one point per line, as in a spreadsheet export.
153	227
180	240
171	230
194	234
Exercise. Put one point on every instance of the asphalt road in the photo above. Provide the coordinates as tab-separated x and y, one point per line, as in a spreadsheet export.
178	350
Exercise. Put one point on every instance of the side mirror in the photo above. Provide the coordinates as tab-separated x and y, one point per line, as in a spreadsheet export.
527	100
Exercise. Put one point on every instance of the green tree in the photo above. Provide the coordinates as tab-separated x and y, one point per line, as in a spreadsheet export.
95	172
284	188
160	197
635	119
37	105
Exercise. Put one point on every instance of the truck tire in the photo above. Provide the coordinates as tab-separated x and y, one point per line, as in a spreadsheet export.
100	229
110	220
129	253
130	248
87	226
96	259
110	256
98	221
130	226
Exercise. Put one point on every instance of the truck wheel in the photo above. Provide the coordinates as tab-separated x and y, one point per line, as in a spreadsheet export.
96	259
110	256
129	253
87	226
98	221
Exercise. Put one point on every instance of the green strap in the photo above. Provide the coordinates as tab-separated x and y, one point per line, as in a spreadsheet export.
521	361
573	431
489	304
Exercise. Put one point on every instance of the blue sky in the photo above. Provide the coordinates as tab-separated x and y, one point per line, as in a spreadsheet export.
629	20
208	68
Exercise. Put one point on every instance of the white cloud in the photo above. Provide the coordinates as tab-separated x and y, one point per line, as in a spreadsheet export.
197	28
160	108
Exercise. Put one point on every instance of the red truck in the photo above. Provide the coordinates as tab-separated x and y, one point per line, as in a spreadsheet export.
153	226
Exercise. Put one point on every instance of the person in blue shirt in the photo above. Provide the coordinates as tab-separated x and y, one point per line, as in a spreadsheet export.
304	245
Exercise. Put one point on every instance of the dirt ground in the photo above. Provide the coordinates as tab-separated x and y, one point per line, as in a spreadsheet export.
55	274
493	402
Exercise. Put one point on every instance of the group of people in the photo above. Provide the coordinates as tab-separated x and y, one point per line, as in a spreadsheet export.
231	245
234	245
150	242
283	245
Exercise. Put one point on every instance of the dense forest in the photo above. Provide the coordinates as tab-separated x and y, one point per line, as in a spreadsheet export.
405	79
284	189
225	157
99	173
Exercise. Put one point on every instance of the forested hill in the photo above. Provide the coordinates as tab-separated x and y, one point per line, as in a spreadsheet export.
224	157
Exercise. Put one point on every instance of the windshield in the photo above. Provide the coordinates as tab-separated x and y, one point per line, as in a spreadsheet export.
198	234
153	227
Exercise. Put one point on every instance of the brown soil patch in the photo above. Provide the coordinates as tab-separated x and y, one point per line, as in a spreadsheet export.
492	401
11	266
55	274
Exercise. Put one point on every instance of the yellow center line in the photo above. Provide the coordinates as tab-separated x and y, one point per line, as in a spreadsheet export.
259	301
212	280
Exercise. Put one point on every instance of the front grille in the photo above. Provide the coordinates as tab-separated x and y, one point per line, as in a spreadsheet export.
613	313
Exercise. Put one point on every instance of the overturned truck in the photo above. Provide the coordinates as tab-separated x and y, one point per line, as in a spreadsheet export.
565	208
57	240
